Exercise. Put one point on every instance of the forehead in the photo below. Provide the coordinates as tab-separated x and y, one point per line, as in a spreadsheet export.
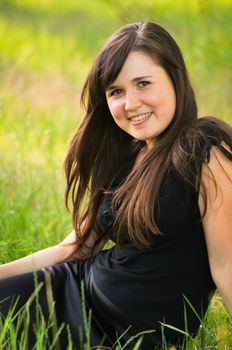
138	64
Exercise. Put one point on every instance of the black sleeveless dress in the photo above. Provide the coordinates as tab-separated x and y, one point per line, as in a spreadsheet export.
129	288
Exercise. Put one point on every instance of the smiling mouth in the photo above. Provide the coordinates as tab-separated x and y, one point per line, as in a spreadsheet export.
140	117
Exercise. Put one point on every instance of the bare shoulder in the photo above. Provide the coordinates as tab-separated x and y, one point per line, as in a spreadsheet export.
217	179
219	161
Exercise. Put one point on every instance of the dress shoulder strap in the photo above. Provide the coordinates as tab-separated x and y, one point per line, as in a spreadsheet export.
225	151
207	148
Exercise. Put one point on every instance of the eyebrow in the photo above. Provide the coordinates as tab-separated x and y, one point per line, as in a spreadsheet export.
134	80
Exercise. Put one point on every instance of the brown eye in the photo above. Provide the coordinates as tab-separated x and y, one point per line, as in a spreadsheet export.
115	92
143	83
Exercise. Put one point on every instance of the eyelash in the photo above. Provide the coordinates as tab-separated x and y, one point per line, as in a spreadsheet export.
114	92
144	82
118	91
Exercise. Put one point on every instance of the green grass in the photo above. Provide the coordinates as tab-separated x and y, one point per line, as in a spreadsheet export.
215	331
46	49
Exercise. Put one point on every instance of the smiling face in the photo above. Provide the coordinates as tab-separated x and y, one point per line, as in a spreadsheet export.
142	99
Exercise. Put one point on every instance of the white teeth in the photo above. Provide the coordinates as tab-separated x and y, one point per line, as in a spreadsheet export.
140	117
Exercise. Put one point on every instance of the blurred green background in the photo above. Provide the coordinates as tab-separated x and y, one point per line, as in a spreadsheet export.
46	49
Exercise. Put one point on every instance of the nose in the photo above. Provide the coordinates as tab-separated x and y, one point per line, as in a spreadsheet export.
132	101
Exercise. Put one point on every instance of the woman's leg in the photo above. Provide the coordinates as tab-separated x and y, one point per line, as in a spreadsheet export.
55	288
21	295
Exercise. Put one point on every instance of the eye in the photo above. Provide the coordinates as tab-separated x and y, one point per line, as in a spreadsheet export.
115	92
143	83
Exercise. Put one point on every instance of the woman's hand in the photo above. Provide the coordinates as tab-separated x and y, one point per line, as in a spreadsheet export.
217	221
53	255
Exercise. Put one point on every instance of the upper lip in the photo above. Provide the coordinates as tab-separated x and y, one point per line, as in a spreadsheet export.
138	115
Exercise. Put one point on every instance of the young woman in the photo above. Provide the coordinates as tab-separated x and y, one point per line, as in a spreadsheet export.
154	179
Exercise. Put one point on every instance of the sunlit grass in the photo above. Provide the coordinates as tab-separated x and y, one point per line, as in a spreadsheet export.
211	336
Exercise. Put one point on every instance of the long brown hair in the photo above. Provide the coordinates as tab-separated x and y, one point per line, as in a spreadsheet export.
99	146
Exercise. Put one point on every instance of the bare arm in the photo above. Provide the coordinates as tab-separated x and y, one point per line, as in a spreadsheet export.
217	222
43	258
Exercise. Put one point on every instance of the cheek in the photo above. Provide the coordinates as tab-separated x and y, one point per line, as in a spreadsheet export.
116	109
172	99
172	104
167	103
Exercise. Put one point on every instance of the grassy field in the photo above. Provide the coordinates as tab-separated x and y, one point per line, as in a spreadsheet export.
46	49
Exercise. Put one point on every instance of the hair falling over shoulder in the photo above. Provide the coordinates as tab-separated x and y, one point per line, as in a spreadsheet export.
99	147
